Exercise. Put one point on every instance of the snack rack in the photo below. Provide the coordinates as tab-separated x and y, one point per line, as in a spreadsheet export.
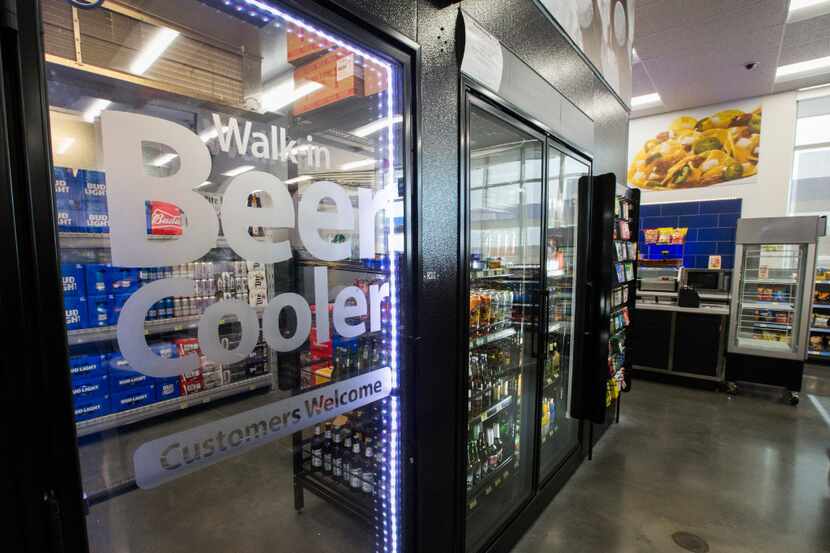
772	295
819	344
623	295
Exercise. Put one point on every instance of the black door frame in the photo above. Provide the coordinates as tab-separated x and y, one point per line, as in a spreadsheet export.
47	490
542	491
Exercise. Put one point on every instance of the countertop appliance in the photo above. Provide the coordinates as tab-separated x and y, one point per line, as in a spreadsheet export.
658	279
706	279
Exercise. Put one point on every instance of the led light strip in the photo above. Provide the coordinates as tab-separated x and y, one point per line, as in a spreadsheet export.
390	486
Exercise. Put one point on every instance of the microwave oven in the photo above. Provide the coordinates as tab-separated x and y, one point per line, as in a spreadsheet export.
707	279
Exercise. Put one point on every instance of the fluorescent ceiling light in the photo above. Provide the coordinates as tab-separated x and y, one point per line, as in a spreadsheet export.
148	55
796	5
65	143
238	171
301	178
815	86
211	133
357	164
163	159
285	94
646	100
807	68
95	109
375	126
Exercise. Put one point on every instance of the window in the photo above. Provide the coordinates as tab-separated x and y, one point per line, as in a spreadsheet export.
810	187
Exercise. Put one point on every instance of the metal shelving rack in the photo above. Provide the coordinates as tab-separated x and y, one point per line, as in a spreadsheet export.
94	335
822	310
324	485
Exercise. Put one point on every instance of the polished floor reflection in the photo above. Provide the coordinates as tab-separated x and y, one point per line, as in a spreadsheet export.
746	474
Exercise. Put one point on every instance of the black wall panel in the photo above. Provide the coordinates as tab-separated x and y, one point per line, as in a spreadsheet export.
398	15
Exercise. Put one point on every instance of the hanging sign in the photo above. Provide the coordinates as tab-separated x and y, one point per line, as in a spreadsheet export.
483	59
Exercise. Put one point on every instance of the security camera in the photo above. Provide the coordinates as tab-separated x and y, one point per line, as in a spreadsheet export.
751	65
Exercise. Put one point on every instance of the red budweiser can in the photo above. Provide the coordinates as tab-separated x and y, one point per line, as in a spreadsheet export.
163	219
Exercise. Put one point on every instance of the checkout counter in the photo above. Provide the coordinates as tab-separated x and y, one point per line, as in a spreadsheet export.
680	324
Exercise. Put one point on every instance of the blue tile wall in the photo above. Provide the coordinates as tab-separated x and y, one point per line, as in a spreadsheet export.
711	227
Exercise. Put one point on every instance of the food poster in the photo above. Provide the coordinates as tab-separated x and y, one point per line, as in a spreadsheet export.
700	148
604	31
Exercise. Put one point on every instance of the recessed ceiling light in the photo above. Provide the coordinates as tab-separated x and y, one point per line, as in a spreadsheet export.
357	164
646	100
65	143
801	69
375	126
285	94
95	108
153	50
238	171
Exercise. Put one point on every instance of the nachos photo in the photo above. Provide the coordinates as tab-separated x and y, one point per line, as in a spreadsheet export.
694	153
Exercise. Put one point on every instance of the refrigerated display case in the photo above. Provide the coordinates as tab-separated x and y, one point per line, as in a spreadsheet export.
818	348
523	249
772	293
558	429
230	183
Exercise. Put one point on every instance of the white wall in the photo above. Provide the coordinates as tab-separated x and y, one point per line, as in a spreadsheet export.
767	195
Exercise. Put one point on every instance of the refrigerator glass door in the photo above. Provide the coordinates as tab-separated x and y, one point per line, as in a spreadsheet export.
505	207
559	433
771	299
229	197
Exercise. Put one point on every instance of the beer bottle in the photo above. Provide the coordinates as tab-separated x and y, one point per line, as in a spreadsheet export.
347	453
368	484
327	453
356	464
337	454
316	450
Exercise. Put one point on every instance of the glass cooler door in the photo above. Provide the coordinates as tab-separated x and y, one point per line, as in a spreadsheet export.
505	206
771	307
558	431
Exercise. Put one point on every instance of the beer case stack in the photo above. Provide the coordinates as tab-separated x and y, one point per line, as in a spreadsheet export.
95	292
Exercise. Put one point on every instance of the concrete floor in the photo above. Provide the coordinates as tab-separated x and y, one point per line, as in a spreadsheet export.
746	474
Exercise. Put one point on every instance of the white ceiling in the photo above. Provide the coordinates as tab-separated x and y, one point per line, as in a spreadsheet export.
693	52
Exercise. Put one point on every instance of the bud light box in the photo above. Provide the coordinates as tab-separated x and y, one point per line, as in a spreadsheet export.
68	200
100	310
92	408
133	398
167	388
122	375
98	279
88	365
88	387
163	219
94	193
122	280
75	312
73	277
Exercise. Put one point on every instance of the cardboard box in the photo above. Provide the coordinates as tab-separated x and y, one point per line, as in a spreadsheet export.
86	388
73	278
75	313
341	74
167	388
304	45
88	365
92	408
133	398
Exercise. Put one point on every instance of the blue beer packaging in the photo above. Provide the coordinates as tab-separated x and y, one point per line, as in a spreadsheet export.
73	278
75	312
